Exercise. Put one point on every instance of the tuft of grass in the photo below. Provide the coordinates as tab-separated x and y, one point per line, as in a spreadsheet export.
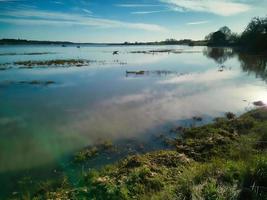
230	115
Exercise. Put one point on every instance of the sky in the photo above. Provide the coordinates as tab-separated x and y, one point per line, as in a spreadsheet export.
123	20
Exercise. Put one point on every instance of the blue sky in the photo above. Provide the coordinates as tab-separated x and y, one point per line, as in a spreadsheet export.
123	20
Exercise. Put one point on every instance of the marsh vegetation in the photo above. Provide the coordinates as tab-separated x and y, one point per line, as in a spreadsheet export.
222	160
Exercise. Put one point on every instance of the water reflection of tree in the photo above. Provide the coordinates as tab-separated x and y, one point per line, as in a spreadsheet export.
256	64
219	55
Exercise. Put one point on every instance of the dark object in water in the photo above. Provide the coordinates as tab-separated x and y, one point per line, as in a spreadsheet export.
136	72
199	119
115	52
258	103
78	47
63	45
148	73
36	82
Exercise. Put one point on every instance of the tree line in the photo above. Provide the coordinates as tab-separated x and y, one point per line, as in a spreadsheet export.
253	38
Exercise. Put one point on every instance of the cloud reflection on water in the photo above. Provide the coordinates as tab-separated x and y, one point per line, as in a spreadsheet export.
209	93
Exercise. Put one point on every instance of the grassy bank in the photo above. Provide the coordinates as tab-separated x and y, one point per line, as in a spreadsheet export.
223	160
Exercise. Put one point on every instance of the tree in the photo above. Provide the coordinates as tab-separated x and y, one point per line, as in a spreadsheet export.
255	35
256	26
221	37
253	38
217	38
226	31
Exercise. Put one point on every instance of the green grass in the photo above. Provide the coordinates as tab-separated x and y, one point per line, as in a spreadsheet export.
222	160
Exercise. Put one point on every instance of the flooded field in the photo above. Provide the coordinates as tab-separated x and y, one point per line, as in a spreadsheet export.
57	100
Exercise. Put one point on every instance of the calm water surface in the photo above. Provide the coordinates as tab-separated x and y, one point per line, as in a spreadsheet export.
39	124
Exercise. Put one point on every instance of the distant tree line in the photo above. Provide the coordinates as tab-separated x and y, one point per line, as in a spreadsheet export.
253	38
165	42
25	42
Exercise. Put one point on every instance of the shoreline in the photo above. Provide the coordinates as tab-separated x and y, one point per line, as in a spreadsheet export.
64	43
227	152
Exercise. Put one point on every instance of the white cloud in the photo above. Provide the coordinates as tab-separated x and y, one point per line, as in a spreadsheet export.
149	12
137	5
38	17
218	7
198	22
200	78
87	11
58	2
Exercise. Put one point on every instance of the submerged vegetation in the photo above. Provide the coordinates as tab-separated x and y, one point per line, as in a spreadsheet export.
33	82
93	151
223	160
30	64
26	54
70	62
156	51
